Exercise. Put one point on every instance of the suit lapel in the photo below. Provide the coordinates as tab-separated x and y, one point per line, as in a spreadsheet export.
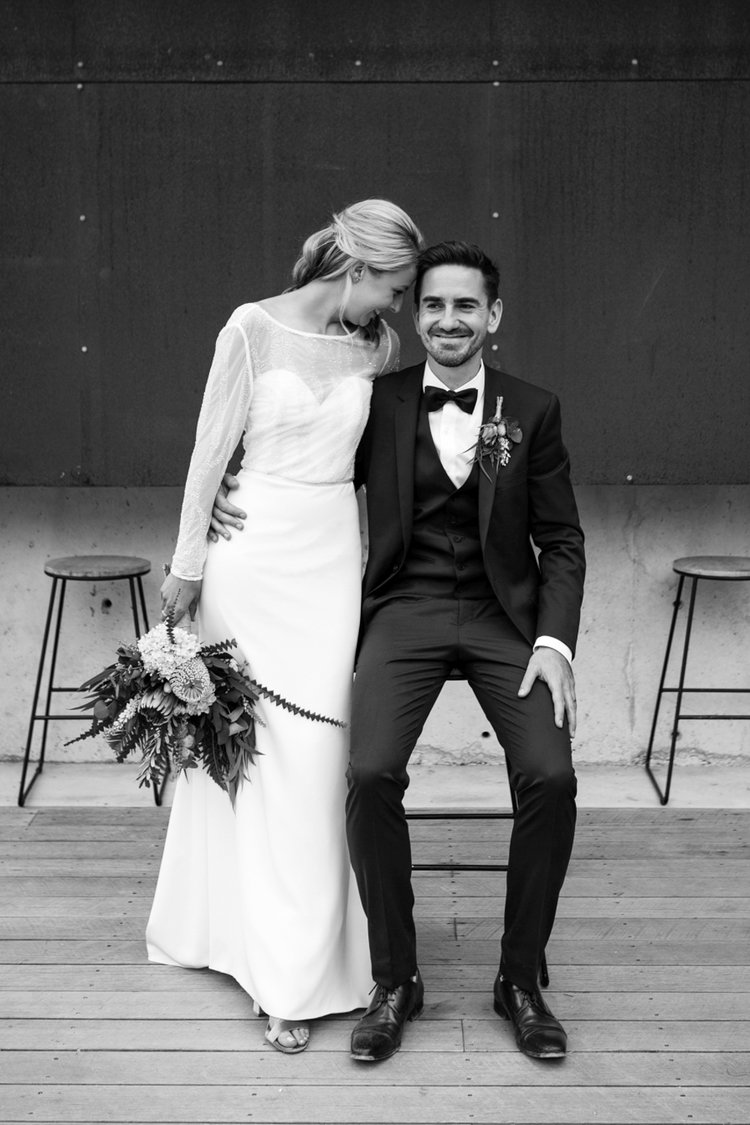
406	416
488	471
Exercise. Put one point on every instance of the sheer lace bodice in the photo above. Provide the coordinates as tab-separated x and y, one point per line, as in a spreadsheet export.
300	399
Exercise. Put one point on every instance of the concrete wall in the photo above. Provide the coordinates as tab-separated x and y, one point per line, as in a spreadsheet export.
633	535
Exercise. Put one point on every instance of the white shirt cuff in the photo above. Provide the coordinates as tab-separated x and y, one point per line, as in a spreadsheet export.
558	646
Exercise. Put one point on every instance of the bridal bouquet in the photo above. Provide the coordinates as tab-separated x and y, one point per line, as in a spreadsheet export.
180	705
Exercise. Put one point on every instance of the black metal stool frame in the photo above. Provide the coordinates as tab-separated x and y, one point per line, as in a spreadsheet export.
680	689
135	582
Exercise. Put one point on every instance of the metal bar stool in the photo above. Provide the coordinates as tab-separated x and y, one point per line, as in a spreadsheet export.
443	815
77	568
715	568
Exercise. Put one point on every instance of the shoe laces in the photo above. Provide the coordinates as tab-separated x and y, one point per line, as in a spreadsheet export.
381	993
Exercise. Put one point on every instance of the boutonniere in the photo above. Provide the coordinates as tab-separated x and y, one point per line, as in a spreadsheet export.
495	437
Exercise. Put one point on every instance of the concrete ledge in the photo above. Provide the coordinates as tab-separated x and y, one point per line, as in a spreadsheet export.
110	784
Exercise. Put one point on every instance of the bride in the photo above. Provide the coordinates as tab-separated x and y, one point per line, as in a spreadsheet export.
265	892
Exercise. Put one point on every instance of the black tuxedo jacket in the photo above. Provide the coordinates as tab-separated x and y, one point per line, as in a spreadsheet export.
526	504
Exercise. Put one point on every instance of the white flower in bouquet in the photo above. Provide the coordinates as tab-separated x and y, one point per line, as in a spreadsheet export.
163	654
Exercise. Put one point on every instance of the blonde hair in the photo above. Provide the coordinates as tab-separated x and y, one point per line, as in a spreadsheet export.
374	231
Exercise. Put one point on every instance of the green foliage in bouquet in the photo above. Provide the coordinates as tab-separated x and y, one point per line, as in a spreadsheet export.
180	705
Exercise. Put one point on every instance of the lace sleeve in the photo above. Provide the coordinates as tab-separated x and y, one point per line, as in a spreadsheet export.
221	423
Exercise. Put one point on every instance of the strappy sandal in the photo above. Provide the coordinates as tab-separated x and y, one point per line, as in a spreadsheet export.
278	1027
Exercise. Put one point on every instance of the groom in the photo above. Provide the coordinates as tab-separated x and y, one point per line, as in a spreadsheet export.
452	581
475	562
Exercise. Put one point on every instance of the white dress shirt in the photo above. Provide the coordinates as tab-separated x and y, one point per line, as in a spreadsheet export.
455	434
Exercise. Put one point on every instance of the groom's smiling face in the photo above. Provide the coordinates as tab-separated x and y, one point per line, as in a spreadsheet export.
454	316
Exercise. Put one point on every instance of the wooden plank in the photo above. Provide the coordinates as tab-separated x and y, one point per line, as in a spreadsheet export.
661	817
95	850
14	820
50	952
625	1035
194	1034
187	1003
453	977
597	878
145	816
67	928
596	953
72	917
609	836
123	868
674	849
439	1068
74	906
43	830
129	951
589	978
456	906
79	815
31	887
451	848
432	890
334	1104
582	884
598	883
718	935
27	904
680	930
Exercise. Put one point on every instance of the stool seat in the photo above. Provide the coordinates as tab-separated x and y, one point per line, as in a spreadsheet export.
82	567
729	567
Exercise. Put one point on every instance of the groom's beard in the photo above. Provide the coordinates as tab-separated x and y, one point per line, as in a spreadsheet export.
452	350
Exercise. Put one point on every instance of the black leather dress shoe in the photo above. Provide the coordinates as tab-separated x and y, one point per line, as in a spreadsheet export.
538	1034
378	1034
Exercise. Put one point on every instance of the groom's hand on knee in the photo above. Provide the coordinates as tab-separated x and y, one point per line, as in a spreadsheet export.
550	666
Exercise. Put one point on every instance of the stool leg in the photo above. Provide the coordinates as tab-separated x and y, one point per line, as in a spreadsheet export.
680	687
24	790
53	662
144	615
158	790
677	603
134	605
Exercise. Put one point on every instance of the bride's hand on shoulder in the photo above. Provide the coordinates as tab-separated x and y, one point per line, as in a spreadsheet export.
224	514
179	595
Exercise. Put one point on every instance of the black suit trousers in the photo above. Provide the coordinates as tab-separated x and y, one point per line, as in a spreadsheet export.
409	647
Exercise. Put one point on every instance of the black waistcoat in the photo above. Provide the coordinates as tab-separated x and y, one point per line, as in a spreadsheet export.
445	553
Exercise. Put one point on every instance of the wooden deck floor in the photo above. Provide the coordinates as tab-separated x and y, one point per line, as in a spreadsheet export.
650	968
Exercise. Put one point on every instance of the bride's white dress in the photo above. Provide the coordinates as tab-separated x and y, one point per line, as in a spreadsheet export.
265	892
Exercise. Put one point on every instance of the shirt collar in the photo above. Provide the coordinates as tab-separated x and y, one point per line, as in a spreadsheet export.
430	379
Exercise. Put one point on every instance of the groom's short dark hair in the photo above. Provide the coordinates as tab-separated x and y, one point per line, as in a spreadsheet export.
458	254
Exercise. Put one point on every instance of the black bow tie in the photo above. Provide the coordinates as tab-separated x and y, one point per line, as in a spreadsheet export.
436	397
